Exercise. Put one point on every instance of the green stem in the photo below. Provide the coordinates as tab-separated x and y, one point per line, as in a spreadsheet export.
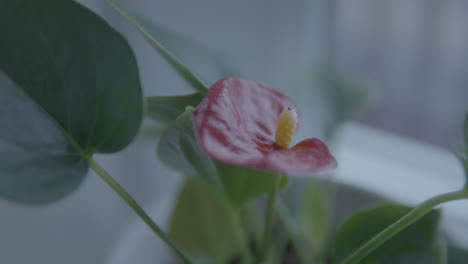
269	219
402	223
240	237
138	210
293	229
181	68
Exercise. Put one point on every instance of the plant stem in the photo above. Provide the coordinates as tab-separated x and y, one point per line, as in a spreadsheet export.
293	229
269	219
240	237
402	223
138	210
181	68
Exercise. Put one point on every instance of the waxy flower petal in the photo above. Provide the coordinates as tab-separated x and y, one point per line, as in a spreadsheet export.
236	124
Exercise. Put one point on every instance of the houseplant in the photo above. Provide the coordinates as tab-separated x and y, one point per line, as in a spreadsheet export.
84	106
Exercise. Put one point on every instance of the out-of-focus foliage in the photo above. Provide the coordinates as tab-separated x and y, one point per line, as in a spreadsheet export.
417	243
202	225
457	255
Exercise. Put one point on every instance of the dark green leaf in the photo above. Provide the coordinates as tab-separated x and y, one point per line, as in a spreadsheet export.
154	33
201	224
416	244
37	163
457	255
69	88
165	109
179	149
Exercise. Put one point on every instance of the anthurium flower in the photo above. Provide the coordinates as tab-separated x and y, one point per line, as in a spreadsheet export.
247	123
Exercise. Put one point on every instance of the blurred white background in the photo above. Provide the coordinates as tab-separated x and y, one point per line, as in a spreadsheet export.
415	54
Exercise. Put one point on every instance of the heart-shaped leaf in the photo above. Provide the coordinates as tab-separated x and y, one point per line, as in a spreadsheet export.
418	243
179	149
37	163
70	87
165	109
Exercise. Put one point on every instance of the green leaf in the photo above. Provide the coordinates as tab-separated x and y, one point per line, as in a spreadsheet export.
457	255
165	109
242	184
416	244
69	87
179	149
201	224
153	33
37	163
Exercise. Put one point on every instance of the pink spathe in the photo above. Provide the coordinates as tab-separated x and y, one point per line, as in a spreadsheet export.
236	124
